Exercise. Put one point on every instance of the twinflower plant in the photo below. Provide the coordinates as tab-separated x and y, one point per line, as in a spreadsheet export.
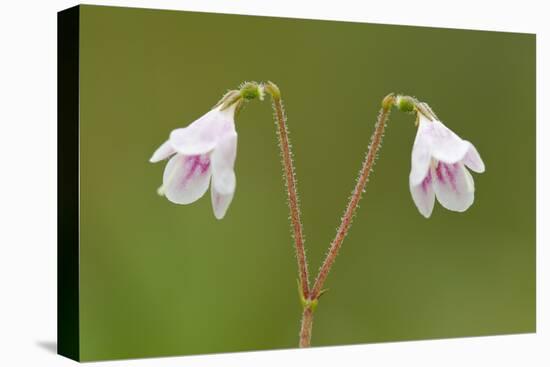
203	154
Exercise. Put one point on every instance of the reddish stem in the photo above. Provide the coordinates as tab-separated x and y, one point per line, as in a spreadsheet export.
293	204
355	197
305	330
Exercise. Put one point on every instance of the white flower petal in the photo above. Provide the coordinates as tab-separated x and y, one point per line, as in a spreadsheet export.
220	202
445	145
163	152
223	161
223	176
186	178
201	136
423	195
421	154
453	186
473	161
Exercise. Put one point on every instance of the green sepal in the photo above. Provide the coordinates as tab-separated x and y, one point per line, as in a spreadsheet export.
251	90
323	291
308	303
426	110
406	103
228	99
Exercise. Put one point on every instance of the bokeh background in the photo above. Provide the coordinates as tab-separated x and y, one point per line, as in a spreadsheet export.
161	279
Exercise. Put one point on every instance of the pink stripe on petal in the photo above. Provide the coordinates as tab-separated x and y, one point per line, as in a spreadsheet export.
450	172
456	190
427	182
196	164
186	178
439	173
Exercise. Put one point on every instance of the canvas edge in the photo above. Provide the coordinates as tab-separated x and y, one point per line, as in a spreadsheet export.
68	218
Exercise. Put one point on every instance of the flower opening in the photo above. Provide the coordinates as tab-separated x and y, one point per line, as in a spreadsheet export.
202	155
438	166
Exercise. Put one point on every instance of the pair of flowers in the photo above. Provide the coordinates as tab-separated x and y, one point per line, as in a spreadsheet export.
203	154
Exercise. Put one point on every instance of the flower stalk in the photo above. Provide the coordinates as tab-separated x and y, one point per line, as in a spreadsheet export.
305	330
362	180
290	181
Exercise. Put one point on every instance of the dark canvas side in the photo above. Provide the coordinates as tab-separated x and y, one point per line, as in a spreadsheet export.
68	31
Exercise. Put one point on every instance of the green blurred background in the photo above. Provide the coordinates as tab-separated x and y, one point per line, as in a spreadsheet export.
162	279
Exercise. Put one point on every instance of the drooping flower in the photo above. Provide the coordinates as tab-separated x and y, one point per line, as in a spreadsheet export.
438	166
202	155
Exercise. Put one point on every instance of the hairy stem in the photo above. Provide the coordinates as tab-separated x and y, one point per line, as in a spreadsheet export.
293	204
305	330
355	197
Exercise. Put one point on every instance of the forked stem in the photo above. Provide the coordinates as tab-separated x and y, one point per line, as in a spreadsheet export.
310	296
